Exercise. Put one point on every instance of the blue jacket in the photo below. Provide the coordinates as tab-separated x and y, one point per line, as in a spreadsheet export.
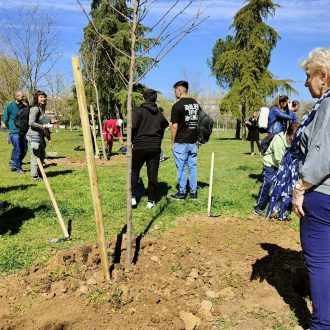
277	120
9	115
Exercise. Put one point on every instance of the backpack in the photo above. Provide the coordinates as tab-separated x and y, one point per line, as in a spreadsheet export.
263	119
264	144
21	120
204	126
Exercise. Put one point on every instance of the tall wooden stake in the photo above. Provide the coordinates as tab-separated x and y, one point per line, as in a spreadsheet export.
81	96
94	130
210	187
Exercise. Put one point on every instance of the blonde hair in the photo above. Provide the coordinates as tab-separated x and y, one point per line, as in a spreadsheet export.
318	61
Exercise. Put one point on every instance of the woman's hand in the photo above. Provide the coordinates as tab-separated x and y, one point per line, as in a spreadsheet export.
297	202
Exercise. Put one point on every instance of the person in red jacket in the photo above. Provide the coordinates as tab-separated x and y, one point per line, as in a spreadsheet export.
111	130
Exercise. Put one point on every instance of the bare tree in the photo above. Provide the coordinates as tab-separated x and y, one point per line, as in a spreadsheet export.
32	42
166	33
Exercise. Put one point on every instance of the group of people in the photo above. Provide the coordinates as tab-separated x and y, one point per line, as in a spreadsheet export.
297	167
38	130
148	126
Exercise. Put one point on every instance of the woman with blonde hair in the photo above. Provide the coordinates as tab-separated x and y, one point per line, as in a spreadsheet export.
305	173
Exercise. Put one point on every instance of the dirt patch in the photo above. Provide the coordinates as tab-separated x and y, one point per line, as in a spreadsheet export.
207	273
81	161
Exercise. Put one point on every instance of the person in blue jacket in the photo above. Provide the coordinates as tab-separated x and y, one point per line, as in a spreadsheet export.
17	139
279	115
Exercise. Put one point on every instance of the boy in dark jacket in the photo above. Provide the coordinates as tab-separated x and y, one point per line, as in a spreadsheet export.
148	126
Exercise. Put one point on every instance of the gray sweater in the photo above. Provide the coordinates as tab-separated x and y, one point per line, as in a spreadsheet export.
37	119
315	150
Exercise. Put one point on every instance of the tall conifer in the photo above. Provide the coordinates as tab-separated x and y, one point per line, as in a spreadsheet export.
240	62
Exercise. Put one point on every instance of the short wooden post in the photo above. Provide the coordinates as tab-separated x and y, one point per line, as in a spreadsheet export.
93	129
81	96
52	198
210	187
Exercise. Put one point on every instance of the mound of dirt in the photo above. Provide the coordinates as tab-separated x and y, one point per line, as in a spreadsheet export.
206	273
81	161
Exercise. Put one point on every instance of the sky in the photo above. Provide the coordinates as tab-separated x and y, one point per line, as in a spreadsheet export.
302	25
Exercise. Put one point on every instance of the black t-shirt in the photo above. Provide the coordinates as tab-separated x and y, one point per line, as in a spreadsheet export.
185	114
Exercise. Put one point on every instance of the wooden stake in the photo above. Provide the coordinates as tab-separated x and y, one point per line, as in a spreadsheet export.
94	133
81	96
52	197
210	187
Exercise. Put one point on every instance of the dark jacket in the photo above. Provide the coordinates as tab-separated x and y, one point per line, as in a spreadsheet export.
253	127
148	126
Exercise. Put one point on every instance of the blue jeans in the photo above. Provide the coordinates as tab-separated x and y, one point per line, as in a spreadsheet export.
268	173
185	156
19	150
315	242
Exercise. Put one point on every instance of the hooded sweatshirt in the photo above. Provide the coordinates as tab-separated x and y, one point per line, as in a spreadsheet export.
148	126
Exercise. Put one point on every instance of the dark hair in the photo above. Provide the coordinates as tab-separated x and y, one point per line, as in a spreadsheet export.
182	83
295	103
35	97
150	95
292	129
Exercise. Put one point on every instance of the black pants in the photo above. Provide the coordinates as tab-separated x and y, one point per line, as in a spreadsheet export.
252	145
151	157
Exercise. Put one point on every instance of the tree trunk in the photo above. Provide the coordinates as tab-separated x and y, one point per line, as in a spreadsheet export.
238	129
129	137
243	122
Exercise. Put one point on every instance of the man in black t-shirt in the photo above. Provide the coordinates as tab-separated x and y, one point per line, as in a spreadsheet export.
184	119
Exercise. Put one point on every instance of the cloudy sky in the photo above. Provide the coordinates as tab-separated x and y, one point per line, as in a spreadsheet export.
302	25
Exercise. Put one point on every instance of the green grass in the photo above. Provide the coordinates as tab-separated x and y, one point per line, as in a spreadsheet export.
30	221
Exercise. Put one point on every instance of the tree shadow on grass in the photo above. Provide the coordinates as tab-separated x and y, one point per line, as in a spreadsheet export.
276	269
11	188
56	173
163	189
13	218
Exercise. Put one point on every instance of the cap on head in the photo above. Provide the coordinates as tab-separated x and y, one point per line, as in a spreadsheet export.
182	83
150	95
119	122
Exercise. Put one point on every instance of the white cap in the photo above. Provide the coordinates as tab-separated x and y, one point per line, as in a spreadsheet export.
119	122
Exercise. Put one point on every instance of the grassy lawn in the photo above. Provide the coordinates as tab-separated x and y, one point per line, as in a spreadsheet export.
30	221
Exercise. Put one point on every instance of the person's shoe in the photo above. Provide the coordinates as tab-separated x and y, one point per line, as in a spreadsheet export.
20	171
252	153
257	211
13	169
150	204
37	178
178	196
193	196
134	203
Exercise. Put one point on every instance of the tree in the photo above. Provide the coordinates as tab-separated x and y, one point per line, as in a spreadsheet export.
9	82
105	63
164	37
32	43
240	62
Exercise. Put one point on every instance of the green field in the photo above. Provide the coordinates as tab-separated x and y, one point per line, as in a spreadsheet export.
31	220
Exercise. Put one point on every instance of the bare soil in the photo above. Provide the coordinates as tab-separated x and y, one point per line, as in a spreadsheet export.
206	273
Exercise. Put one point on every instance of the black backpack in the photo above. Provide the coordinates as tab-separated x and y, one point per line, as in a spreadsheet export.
205	126
21	120
264	144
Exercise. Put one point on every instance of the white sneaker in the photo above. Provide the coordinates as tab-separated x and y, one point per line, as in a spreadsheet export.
134	203
150	204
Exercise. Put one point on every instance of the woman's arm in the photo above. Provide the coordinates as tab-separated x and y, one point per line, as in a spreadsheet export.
34	111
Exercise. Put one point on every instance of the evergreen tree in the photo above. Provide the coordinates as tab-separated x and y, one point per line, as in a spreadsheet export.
240	62
112	66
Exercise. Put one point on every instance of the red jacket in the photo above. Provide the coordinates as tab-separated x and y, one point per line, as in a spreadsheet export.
112	126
